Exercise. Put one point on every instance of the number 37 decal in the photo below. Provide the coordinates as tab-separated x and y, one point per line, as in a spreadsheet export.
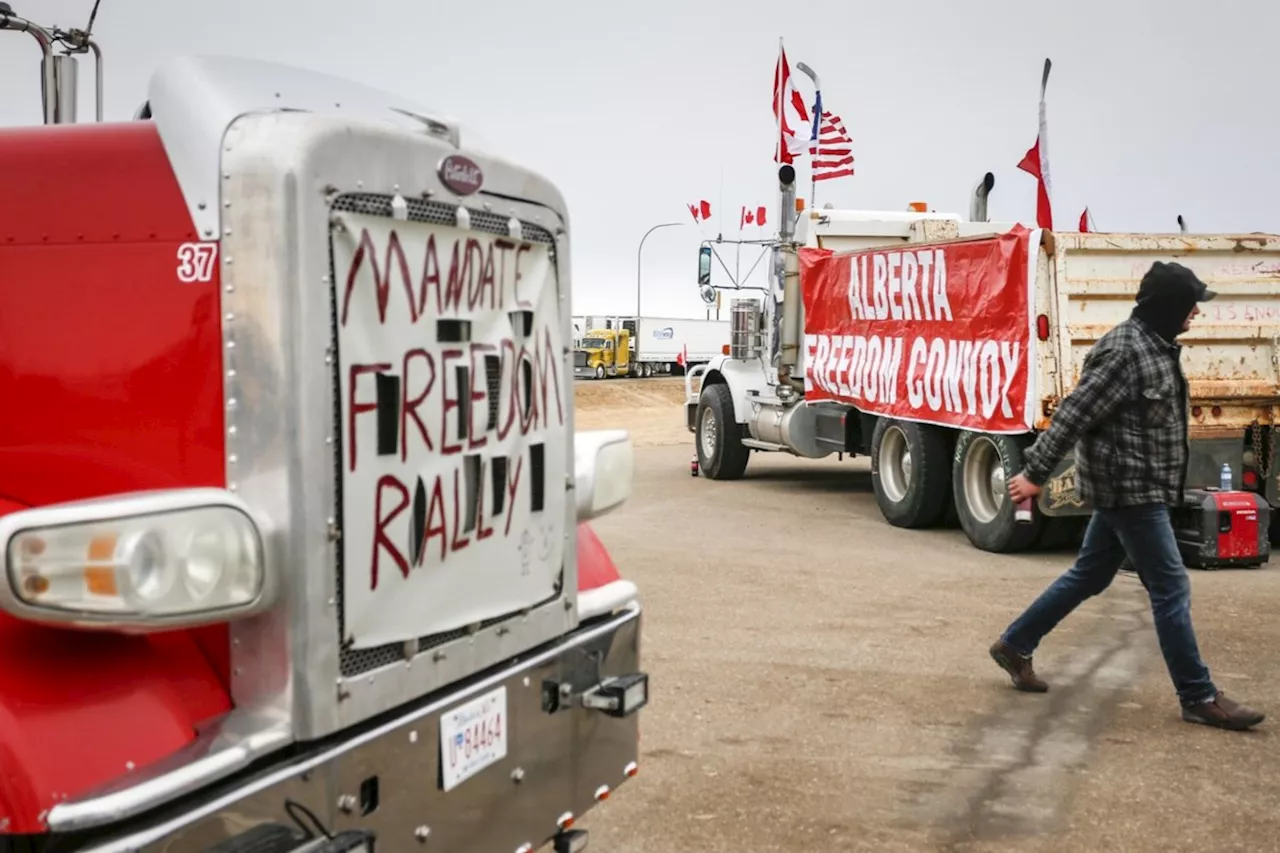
196	261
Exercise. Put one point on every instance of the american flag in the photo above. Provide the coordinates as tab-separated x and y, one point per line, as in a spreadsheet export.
830	146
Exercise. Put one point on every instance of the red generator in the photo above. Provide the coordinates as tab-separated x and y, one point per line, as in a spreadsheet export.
1218	530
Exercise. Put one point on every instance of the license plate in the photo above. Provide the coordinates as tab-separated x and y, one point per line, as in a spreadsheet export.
473	736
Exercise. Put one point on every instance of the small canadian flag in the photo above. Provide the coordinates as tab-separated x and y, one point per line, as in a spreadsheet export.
682	357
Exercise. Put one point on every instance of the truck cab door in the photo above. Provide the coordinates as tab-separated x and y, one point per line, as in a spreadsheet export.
624	351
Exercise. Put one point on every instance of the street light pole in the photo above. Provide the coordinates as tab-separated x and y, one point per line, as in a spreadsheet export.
638	257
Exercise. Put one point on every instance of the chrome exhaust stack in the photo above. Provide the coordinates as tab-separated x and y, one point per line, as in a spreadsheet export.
59	75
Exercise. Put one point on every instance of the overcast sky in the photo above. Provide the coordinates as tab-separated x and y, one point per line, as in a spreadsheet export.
636	109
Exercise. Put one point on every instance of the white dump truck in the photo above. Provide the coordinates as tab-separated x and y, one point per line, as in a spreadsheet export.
940	346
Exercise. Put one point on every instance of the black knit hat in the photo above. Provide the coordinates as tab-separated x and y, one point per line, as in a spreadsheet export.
1166	296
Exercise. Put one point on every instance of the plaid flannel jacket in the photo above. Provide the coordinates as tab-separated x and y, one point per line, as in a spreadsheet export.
1127	419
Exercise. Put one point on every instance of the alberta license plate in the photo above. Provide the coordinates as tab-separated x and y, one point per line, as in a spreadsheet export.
473	736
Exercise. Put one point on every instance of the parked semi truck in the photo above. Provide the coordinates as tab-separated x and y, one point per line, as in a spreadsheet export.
939	347
294	532
646	346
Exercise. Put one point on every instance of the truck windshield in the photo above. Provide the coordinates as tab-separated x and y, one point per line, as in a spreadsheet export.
594	343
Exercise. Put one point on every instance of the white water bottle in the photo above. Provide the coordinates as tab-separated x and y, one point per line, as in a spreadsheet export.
1226	477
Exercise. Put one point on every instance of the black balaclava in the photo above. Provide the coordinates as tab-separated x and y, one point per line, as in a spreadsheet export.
1166	296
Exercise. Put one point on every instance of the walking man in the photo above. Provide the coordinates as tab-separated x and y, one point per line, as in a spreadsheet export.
1127	419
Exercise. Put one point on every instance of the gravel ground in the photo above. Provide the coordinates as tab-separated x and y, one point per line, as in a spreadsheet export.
821	681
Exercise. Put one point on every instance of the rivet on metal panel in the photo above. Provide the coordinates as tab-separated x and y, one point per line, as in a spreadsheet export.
526	681
230	316
232	459
201	205
226	176
328	439
333	602
226	205
226	262
413	736
347	803
227	232
230	288
231	374
488	205
517	775
231	344
428	193
231	430
360	184
422	833
231	487
208	232
231	403
235	671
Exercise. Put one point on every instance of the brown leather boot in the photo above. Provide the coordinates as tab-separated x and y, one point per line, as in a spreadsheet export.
1019	668
1223	713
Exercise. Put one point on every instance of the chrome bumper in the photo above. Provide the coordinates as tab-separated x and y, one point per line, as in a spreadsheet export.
562	758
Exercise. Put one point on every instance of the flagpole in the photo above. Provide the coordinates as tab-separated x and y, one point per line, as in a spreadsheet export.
815	131
777	104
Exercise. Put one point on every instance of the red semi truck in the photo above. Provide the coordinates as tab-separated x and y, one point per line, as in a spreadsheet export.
292	508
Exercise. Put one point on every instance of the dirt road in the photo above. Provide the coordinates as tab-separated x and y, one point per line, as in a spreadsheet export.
821	682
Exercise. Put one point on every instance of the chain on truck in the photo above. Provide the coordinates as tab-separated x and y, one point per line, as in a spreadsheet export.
292	509
939	348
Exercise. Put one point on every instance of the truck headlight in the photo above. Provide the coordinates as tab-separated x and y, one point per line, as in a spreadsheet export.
141	561
603	461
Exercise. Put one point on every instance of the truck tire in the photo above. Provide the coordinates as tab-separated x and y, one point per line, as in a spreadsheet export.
910	472
599	371
980	480
718	435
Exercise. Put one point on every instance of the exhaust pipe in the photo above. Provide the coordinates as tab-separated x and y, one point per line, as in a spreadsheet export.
59	75
978	203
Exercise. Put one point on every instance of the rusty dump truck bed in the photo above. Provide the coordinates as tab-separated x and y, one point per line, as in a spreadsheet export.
1230	353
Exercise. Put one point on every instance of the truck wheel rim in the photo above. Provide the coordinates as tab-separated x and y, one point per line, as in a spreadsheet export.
984	482
895	464
707	435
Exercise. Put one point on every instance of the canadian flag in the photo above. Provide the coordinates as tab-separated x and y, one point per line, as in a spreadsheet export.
751	217
701	210
789	111
682	357
1036	162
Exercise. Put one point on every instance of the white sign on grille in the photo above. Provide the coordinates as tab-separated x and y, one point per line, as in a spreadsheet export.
454	407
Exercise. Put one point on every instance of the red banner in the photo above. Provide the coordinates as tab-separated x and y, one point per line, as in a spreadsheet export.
940	334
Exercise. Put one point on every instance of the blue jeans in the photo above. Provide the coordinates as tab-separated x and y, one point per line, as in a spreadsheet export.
1143	533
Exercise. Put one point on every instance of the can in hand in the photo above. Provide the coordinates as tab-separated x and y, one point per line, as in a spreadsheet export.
1022	511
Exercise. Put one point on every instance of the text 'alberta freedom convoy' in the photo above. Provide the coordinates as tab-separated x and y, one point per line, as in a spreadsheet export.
959	362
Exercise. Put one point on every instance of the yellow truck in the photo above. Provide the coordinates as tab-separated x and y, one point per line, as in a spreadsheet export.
644	346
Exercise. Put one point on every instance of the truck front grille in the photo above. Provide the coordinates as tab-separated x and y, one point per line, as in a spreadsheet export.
579	359
353	662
